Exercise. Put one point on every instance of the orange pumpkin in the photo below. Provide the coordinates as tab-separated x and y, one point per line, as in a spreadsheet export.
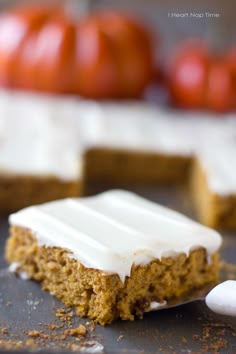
104	55
197	79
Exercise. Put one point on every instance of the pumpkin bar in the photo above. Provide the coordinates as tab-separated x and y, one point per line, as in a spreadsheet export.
113	255
213	186
17	191
39	159
119	166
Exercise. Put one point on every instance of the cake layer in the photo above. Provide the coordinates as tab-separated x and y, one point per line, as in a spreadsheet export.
120	166
113	255
104	297
114	230
20	191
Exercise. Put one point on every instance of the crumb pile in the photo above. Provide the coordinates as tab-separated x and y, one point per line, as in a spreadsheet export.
63	335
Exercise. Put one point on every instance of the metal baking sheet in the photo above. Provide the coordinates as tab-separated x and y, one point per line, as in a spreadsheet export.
189	328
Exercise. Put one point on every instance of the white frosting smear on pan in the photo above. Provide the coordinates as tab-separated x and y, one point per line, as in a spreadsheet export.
222	299
114	230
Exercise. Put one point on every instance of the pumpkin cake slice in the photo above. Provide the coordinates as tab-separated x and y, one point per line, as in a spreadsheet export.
114	255
39	159
213	186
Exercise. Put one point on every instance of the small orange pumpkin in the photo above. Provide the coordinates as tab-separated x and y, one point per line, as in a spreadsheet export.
104	55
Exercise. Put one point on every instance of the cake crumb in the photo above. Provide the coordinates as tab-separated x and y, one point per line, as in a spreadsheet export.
74	347
65	315
220	343
37	334
212	336
30	343
34	334
53	326
8	344
4	331
79	331
92	325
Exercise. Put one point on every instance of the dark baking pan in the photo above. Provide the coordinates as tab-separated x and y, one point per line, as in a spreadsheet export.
24	307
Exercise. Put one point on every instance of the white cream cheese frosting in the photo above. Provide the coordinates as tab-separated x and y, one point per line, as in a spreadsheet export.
35	140
219	164
42	135
114	230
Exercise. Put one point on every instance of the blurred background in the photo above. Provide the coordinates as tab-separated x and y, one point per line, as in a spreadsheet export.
172	22
220	30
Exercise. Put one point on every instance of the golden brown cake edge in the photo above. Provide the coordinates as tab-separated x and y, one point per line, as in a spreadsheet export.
102	296
213	210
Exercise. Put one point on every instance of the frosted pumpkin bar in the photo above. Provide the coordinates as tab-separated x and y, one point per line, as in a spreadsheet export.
112	255
213	186
39	159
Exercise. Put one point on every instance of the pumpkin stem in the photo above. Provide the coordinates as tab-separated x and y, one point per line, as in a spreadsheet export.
78	8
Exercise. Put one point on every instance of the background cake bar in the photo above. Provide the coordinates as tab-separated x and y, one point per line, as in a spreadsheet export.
213	186
55	147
